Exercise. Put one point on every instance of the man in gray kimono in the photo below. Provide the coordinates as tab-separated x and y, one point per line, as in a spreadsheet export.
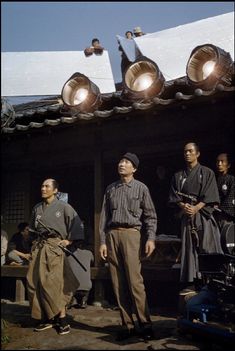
50	280
194	191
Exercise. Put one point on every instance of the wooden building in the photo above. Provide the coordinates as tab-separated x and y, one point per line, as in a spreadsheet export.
81	150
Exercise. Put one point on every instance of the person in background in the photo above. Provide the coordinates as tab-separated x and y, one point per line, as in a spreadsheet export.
194	191
226	186
95	48
50	279
138	32
129	35
86	257
4	244
127	205
207	295
125	62
19	247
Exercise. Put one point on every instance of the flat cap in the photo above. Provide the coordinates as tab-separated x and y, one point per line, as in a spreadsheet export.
133	158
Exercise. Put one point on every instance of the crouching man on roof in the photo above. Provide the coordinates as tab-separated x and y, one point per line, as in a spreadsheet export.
50	280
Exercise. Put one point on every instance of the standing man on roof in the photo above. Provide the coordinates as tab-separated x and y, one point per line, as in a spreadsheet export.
138	32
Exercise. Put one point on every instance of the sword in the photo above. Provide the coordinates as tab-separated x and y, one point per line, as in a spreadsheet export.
191	197
193	228
63	247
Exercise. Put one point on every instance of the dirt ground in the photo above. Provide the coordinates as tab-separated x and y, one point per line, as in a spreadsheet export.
94	328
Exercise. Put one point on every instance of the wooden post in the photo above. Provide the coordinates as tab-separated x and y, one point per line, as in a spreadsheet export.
98	182
20	290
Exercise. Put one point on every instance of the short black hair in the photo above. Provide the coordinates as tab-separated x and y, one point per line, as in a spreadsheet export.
196	146
55	184
22	225
229	159
128	31
95	39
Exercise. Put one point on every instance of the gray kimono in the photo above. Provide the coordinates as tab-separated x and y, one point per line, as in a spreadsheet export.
50	280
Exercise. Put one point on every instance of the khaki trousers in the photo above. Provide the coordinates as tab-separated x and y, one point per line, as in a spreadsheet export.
124	262
50	280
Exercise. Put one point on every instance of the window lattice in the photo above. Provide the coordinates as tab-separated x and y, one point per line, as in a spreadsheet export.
15	207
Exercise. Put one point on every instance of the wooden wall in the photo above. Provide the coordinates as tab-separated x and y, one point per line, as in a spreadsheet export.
83	156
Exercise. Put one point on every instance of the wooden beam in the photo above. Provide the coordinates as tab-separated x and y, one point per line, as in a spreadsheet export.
98	182
160	272
14	271
156	272
98	203
20	290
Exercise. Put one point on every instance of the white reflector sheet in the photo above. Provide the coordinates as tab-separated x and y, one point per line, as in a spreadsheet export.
44	73
171	48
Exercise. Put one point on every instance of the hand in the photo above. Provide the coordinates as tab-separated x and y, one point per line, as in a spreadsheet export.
89	51
190	210
65	242
27	257
103	251
149	247
98	50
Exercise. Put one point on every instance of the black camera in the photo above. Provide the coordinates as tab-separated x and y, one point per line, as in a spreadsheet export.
214	319
218	270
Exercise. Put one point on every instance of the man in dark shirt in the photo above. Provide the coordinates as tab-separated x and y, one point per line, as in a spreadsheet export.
127	203
226	186
20	245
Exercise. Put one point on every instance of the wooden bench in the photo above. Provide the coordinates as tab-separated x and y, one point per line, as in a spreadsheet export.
158	272
19	273
158	268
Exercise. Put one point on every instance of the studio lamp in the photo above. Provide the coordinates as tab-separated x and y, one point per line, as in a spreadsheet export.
142	80
80	93
209	65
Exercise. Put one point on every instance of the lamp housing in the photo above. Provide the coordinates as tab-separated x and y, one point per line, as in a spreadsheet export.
142	80
79	93
209	65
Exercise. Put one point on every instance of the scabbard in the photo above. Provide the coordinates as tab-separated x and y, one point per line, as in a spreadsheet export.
63	247
72	254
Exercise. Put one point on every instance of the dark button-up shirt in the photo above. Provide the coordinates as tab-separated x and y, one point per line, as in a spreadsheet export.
128	205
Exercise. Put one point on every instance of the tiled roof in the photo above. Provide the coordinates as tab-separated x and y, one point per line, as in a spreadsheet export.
51	112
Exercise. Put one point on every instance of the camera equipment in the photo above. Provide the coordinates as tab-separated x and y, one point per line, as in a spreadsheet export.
215	319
